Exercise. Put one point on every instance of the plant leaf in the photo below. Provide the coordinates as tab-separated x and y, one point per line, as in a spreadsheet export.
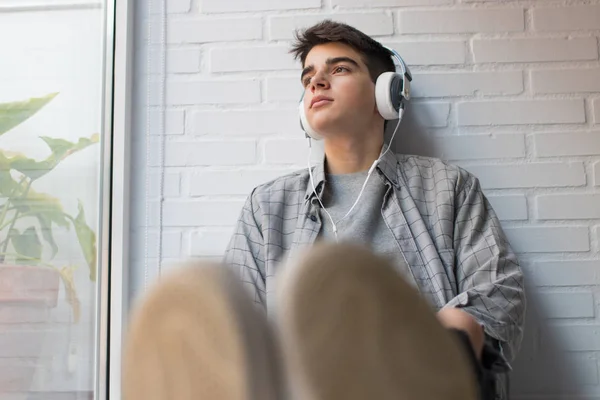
8	185
14	113
66	274
62	148
46	226
44	204
27	243
35	169
87	240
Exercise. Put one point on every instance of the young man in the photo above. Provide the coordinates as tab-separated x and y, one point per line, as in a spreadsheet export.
429	218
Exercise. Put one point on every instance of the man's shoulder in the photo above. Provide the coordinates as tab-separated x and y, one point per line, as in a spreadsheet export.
418	167
289	185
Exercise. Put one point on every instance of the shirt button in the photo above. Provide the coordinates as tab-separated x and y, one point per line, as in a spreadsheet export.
313	218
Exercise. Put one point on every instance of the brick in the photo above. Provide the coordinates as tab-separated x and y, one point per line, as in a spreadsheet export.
566	273
575	337
204	30
461	21
213	92
229	6
565	18
252	58
209	242
431	53
430	114
283	89
548	239
179	154
529	175
509	208
171	243
473	147
567	144
440	84
201	213
177	61
171	185
534	50
517	112
566	305
290	151
597	173
388	3
568	206
370	23
183	61
231	182
566	80
597	111
173	120
246	122
552	371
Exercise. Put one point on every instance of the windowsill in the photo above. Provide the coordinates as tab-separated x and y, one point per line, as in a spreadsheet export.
7	6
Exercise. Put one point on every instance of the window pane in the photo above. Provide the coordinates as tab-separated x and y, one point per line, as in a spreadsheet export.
51	75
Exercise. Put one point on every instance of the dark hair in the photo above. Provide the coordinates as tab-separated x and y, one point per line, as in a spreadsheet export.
377	58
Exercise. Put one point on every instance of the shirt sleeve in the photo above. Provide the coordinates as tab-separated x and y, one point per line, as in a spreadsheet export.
490	280
245	251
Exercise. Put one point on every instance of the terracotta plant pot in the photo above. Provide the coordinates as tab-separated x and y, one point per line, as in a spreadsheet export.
27	294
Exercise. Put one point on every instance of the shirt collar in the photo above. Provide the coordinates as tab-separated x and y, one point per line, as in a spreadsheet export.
386	165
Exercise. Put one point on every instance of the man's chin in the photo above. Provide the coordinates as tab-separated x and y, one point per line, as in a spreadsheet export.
326	125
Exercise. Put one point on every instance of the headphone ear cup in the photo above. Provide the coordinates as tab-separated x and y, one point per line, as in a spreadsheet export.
305	125
388	94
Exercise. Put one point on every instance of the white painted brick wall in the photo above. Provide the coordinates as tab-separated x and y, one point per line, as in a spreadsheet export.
518	112
185	92
203	30
441	84
567	144
534	49
566	18
372	23
508	90
428	52
246	122
231	6
568	206
569	305
251	58
529	175
461	21
572	80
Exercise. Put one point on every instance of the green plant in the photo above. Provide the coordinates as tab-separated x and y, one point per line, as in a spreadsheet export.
26	213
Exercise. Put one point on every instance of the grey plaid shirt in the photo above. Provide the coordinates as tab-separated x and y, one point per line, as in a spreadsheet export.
444	225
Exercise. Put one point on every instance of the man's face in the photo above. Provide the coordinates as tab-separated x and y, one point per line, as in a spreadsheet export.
337	73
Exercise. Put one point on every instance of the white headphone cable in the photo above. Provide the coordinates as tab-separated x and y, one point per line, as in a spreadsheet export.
312	181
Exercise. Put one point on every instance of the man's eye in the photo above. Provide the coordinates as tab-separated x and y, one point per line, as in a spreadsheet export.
306	82
337	69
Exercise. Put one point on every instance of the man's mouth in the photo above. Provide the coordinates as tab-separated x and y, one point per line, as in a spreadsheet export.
320	103
320	100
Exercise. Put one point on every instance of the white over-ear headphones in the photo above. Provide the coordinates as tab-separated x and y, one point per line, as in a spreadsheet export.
392	90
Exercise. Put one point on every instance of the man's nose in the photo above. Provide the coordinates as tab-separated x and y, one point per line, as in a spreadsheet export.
320	81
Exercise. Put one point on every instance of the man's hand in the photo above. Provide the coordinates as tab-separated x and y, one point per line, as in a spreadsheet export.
458	319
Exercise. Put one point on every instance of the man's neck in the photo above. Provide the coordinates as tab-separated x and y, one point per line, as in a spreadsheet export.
350	155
